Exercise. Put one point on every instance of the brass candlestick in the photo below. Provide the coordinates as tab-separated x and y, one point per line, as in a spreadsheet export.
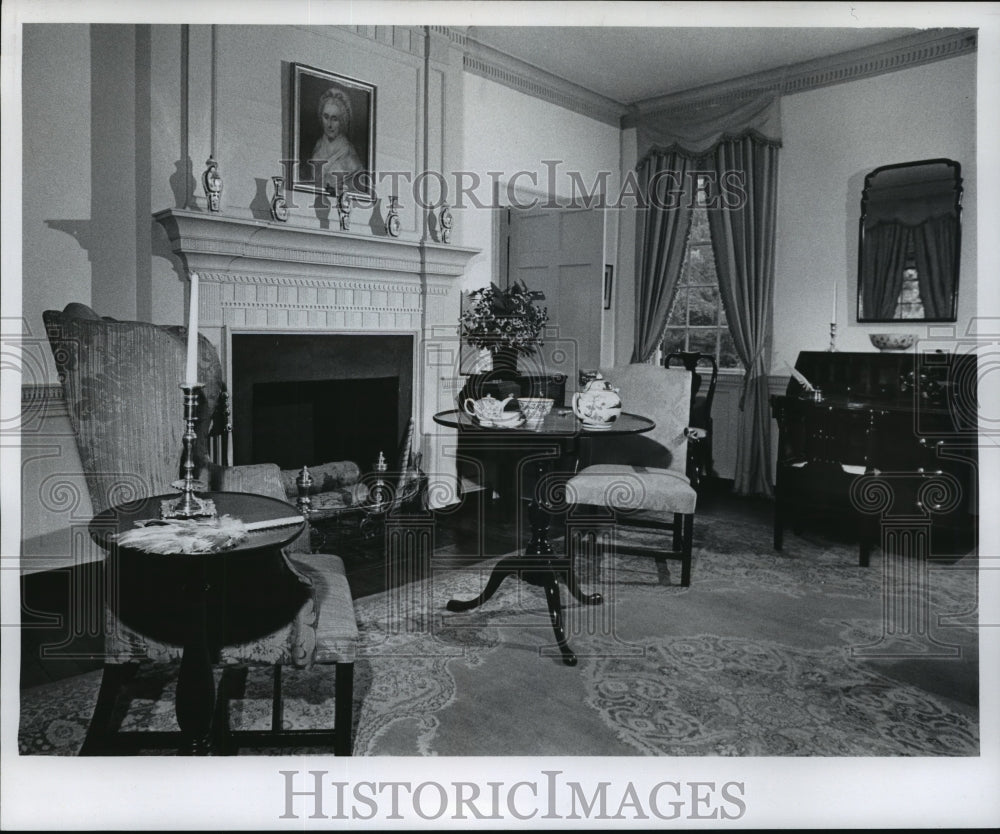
189	505
380	492
833	338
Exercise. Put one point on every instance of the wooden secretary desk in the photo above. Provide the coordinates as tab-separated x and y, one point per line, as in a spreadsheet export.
894	436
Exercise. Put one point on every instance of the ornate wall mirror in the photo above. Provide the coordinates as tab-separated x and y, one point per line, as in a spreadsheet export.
909	242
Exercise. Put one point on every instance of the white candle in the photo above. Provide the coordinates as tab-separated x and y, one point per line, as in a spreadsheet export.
192	346
833	315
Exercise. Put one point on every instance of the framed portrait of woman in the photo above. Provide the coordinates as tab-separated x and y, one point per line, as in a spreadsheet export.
332	133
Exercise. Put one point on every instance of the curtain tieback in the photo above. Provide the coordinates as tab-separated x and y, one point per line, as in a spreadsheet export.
753	372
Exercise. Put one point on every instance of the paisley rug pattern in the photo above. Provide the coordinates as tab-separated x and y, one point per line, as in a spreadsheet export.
756	658
707	695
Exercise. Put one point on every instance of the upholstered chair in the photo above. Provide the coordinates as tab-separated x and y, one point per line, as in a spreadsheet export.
641	479
121	383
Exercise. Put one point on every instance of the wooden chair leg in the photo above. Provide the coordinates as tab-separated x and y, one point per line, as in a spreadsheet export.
343	710
277	702
677	532
232	685
688	537
100	733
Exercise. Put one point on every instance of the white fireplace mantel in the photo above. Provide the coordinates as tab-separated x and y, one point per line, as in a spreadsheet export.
270	275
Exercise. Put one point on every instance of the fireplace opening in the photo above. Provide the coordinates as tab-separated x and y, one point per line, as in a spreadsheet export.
296	423
307	399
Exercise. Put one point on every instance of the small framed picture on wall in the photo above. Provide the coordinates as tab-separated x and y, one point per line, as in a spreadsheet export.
332	132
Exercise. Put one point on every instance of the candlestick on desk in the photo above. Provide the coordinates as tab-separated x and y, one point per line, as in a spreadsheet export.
833	338
191	375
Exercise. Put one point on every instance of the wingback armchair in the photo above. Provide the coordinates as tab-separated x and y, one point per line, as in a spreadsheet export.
121	383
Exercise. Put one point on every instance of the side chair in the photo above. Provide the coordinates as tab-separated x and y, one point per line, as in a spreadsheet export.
640	479
702	396
121	384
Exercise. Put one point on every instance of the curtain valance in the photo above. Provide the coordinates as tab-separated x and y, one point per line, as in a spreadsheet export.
694	133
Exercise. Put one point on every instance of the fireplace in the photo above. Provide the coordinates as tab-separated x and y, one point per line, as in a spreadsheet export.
284	282
305	399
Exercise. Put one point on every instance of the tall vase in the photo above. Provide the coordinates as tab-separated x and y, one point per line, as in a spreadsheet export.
505	363
499	380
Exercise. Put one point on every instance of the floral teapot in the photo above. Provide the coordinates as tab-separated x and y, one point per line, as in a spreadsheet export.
598	405
487	409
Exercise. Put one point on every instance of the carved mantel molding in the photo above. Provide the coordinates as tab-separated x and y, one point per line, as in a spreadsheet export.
263	275
214	244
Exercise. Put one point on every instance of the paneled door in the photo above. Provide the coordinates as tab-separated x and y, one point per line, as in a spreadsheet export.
560	251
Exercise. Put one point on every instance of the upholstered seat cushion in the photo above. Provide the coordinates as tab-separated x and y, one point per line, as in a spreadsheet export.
257	478
336	627
322	630
625	487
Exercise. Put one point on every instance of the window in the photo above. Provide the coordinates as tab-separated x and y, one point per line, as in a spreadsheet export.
697	321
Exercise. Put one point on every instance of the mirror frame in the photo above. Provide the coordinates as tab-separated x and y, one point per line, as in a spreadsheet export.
866	196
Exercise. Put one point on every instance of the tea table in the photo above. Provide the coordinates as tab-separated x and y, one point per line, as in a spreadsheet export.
560	433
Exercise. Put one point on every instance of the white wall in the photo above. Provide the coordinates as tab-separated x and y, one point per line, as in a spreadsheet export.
832	137
508	132
56	202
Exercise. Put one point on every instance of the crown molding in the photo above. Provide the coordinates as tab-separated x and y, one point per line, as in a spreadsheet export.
487	62
901	53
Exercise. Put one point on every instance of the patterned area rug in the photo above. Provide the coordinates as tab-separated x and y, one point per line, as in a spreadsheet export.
766	654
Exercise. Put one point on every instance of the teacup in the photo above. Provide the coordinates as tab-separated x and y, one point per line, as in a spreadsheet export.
535	409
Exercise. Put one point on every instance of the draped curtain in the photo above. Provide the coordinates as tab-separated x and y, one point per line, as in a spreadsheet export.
935	242
743	244
662	231
885	256
738	144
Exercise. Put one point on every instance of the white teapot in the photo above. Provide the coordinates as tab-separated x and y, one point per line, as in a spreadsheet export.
487	408
598	405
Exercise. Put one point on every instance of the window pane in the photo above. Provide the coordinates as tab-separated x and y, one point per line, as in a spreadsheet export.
703	265
678	309
673	340
728	357
697	321
699	227
703	306
703	341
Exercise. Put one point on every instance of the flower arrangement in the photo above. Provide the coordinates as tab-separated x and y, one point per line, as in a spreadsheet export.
496	318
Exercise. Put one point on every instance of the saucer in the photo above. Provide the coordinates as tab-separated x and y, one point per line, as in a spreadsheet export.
596	426
513	421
